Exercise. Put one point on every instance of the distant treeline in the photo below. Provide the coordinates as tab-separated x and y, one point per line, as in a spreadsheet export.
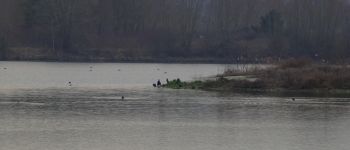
255	30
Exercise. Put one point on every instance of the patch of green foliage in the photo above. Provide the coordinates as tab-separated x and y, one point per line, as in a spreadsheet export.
178	84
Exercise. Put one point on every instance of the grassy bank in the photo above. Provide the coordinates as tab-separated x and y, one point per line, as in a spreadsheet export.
292	75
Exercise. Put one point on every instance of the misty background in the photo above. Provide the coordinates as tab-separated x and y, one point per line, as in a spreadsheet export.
112	30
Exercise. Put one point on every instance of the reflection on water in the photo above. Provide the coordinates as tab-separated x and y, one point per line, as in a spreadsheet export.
149	118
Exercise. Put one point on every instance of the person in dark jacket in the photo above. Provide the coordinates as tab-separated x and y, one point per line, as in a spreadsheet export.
159	84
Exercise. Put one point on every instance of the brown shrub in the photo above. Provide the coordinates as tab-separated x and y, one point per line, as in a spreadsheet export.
294	74
312	77
295	63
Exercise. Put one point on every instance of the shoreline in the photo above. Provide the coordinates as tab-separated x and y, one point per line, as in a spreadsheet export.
295	76
162	61
343	93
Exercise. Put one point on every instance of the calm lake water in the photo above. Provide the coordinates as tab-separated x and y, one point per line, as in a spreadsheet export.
39	111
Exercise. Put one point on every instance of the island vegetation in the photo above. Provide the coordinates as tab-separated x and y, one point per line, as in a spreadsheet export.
291	75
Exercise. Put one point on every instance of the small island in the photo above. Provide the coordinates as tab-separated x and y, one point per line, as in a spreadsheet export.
292	75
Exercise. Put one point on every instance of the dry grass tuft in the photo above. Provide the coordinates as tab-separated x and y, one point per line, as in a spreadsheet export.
295	75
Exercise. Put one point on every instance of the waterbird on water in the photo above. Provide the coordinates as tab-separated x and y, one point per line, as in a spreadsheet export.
293	99
123	97
69	83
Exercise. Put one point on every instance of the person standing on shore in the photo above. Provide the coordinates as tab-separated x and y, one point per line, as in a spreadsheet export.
159	84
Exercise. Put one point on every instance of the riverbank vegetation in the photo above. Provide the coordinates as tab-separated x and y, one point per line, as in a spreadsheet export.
293	75
233	30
